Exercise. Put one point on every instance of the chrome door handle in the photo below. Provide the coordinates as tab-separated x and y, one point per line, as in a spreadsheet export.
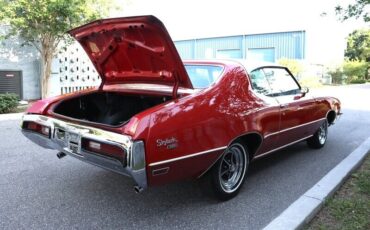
299	108
284	105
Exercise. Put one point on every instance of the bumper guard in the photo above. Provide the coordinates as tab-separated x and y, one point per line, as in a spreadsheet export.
135	152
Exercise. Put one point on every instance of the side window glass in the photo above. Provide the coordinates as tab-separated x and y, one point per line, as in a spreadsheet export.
259	82
281	81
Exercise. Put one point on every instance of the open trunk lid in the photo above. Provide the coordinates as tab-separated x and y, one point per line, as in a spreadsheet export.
133	49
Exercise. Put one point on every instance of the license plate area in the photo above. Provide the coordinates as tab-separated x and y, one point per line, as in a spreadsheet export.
73	142
60	135
74	148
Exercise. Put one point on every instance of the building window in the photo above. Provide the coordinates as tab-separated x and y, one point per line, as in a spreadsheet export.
229	53
261	54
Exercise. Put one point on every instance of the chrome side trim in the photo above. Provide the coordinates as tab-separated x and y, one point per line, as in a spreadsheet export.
205	171
244	134
187	156
281	147
235	138
135	151
294	127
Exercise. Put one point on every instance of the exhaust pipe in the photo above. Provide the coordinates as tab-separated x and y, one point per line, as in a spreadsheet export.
60	155
138	189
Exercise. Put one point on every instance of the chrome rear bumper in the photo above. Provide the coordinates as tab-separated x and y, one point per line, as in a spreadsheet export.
134	165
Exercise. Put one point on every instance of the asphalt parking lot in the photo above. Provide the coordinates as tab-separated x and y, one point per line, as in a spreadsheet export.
39	191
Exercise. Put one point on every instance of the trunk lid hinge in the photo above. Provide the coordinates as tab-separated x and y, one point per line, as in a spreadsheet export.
175	86
102	83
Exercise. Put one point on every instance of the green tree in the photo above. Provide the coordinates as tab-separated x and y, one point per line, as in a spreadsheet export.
358	45
337	75
293	65
359	9
43	23
356	70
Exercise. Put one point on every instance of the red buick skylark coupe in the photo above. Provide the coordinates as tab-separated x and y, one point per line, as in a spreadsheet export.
158	119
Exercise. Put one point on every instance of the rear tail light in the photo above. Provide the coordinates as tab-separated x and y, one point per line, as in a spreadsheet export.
35	127
104	149
94	145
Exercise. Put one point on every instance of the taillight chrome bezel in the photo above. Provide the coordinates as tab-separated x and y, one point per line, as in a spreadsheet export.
37	128
105	149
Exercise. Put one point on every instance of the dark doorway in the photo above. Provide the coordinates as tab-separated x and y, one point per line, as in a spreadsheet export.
11	82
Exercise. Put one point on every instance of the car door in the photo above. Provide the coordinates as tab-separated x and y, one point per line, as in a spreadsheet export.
297	108
270	116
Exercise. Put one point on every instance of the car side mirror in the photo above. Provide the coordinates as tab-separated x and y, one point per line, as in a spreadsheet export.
304	91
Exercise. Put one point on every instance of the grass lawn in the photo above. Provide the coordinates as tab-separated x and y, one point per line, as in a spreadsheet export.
349	208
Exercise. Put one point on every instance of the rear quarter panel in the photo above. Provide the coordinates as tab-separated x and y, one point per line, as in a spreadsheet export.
206	121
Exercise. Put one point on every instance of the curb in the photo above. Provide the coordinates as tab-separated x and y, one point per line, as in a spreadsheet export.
10	116
301	211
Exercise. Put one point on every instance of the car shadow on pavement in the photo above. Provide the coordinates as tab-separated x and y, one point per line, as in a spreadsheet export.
276	158
116	188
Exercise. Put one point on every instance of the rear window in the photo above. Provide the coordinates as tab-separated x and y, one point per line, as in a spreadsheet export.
202	76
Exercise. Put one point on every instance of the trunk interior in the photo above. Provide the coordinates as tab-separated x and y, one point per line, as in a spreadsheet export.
107	108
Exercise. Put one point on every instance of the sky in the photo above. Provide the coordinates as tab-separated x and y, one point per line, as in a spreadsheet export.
211	18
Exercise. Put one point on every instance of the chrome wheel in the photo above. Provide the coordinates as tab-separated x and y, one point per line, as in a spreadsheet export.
322	133
319	138
232	168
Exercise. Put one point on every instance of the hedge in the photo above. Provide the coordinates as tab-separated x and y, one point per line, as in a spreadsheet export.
8	102
357	81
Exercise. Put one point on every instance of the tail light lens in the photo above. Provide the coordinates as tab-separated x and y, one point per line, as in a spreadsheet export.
104	149
35	127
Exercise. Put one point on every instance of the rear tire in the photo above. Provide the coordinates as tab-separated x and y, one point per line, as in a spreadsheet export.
228	174
318	140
